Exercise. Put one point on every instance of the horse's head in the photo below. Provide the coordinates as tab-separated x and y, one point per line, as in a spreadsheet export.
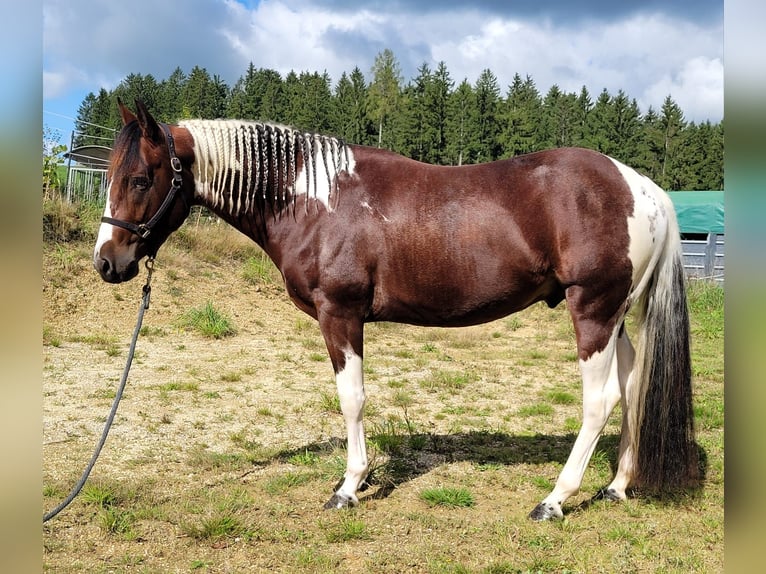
149	195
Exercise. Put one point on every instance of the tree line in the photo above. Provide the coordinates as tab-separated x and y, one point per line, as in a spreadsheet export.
431	118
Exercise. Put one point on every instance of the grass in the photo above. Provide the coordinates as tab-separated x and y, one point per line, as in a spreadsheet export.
347	527
259	270
451	497
208	321
463	437
216	527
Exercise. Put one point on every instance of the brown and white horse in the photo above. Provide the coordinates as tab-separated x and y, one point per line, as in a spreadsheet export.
362	234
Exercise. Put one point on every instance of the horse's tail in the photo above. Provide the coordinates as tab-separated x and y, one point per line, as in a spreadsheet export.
664	449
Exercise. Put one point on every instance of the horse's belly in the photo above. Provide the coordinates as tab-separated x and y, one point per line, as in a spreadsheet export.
470	301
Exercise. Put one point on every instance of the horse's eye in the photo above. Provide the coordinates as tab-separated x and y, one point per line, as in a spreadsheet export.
140	183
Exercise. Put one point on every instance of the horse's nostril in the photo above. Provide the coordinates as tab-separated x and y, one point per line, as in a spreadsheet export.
104	267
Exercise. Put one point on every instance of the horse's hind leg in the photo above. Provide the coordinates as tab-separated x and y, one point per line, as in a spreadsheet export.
625	359
601	392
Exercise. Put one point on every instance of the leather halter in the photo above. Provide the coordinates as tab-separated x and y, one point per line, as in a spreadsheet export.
144	229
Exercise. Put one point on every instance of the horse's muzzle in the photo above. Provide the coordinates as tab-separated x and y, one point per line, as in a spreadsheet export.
111	274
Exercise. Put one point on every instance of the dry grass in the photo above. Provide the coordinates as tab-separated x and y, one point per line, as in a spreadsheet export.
224	451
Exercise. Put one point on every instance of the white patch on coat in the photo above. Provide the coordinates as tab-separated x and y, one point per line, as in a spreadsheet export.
648	225
104	231
374	211
318	180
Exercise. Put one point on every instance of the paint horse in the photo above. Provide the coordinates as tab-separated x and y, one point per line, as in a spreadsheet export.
362	234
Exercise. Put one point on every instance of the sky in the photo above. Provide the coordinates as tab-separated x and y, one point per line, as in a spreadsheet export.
650	49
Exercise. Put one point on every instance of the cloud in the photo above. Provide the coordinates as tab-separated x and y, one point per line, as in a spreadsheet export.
647	49
696	88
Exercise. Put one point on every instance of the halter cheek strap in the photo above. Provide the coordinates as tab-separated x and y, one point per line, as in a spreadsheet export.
143	230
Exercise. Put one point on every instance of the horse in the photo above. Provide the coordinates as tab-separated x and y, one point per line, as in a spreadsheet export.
362	234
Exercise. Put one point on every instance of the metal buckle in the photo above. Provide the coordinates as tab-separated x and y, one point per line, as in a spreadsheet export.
143	231
175	163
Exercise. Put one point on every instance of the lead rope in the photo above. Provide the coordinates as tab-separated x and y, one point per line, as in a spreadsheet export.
144	306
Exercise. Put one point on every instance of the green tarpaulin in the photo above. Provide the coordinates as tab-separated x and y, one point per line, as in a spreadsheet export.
699	211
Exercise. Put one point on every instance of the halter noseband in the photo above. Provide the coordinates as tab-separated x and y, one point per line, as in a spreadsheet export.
144	229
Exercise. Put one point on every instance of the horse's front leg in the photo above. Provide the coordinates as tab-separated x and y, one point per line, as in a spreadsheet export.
343	337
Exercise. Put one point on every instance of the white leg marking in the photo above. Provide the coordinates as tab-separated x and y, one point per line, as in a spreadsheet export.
625	362
601	392
350	382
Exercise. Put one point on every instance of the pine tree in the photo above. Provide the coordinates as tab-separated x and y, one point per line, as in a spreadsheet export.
462	125
624	132
560	119
383	95
672	124
201	95
650	146
597	125
350	110
421	138
169	97
135	87
487	105
521	118
439	93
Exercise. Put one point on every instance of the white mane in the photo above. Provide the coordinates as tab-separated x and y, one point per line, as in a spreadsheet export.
235	160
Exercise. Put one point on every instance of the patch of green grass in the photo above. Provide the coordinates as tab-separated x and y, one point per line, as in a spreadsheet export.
208	321
148	331
231	377
102	495
571	424
283	483
50	339
305	458
538	409
201	458
347	527
101	341
313	560
561	397
329	402
706	305
452	497
451	381
259	270
224	525
243	441
117	521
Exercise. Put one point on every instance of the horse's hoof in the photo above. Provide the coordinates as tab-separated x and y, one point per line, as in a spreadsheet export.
339	501
545	511
608	494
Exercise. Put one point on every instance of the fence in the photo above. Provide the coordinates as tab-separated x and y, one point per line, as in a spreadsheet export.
86	184
704	257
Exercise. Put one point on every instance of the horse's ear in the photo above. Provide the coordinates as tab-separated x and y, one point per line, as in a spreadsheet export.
127	115
149	127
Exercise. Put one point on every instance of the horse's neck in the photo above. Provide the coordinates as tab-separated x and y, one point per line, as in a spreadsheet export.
254	170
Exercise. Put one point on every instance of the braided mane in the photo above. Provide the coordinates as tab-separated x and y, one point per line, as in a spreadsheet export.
240	164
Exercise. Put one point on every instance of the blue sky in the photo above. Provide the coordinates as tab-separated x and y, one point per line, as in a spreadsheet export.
649	48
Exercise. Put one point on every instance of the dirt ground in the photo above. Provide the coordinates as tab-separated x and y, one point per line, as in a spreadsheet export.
208	425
